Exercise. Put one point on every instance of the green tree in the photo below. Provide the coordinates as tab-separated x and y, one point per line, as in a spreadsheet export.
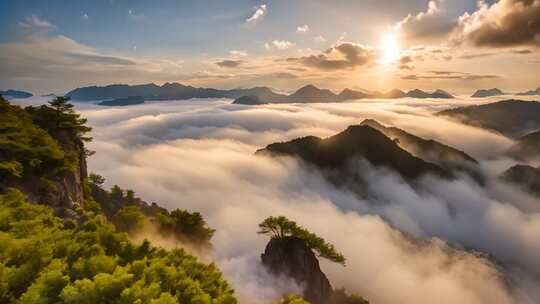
63	116
43	262
185	226
62	108
96	179
281	227
129	219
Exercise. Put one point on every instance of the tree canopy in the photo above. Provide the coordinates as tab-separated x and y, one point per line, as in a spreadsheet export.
282	227
46	260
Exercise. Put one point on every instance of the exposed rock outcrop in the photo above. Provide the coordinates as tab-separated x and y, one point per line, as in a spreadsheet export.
291	257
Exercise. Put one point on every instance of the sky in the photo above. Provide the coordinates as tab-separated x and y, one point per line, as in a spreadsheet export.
459	45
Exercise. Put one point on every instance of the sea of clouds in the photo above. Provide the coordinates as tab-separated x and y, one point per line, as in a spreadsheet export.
442	242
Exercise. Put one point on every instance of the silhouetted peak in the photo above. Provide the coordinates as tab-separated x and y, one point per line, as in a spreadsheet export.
372	123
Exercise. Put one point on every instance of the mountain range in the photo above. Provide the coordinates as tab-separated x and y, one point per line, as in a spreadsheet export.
15	94
513	118
306	94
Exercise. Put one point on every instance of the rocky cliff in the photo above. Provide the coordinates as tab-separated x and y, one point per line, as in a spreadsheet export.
290	256
46	162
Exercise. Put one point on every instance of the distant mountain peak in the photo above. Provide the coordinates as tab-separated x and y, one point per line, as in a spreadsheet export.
487	93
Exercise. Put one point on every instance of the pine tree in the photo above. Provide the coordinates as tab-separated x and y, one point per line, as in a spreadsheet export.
62	107
66	118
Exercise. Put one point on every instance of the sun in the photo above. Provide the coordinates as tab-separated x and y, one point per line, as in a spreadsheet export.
391	50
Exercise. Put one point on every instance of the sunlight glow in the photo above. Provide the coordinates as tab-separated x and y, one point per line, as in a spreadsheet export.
390	48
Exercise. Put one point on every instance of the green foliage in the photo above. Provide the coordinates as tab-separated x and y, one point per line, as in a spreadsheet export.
129	219
59	115
96	179
292	299
129	213
44	261
342	297
24	146
185	226
280	227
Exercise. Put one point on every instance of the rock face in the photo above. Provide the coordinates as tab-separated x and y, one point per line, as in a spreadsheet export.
65	190
291	257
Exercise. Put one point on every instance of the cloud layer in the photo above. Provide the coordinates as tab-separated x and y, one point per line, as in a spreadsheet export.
198	155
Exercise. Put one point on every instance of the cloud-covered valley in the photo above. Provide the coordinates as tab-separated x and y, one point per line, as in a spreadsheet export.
445	241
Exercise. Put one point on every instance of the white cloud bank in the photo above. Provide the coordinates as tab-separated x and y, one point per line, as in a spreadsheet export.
198	155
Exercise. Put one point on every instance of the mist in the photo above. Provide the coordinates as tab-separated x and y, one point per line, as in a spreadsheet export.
445	241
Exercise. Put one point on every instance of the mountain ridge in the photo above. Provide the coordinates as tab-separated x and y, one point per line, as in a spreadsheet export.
168	91
511	117
333	156
487	93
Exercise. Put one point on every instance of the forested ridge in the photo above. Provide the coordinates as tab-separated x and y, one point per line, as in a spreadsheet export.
65	239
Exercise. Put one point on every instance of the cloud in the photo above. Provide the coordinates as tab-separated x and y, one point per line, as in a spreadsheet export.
100	59
450	75
136	16
429	26
35	22
278	45
341	56
198	155
56	62
504	23
319	39
229	63
258	15
475	55
238	53
405	63
302	29
85	16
